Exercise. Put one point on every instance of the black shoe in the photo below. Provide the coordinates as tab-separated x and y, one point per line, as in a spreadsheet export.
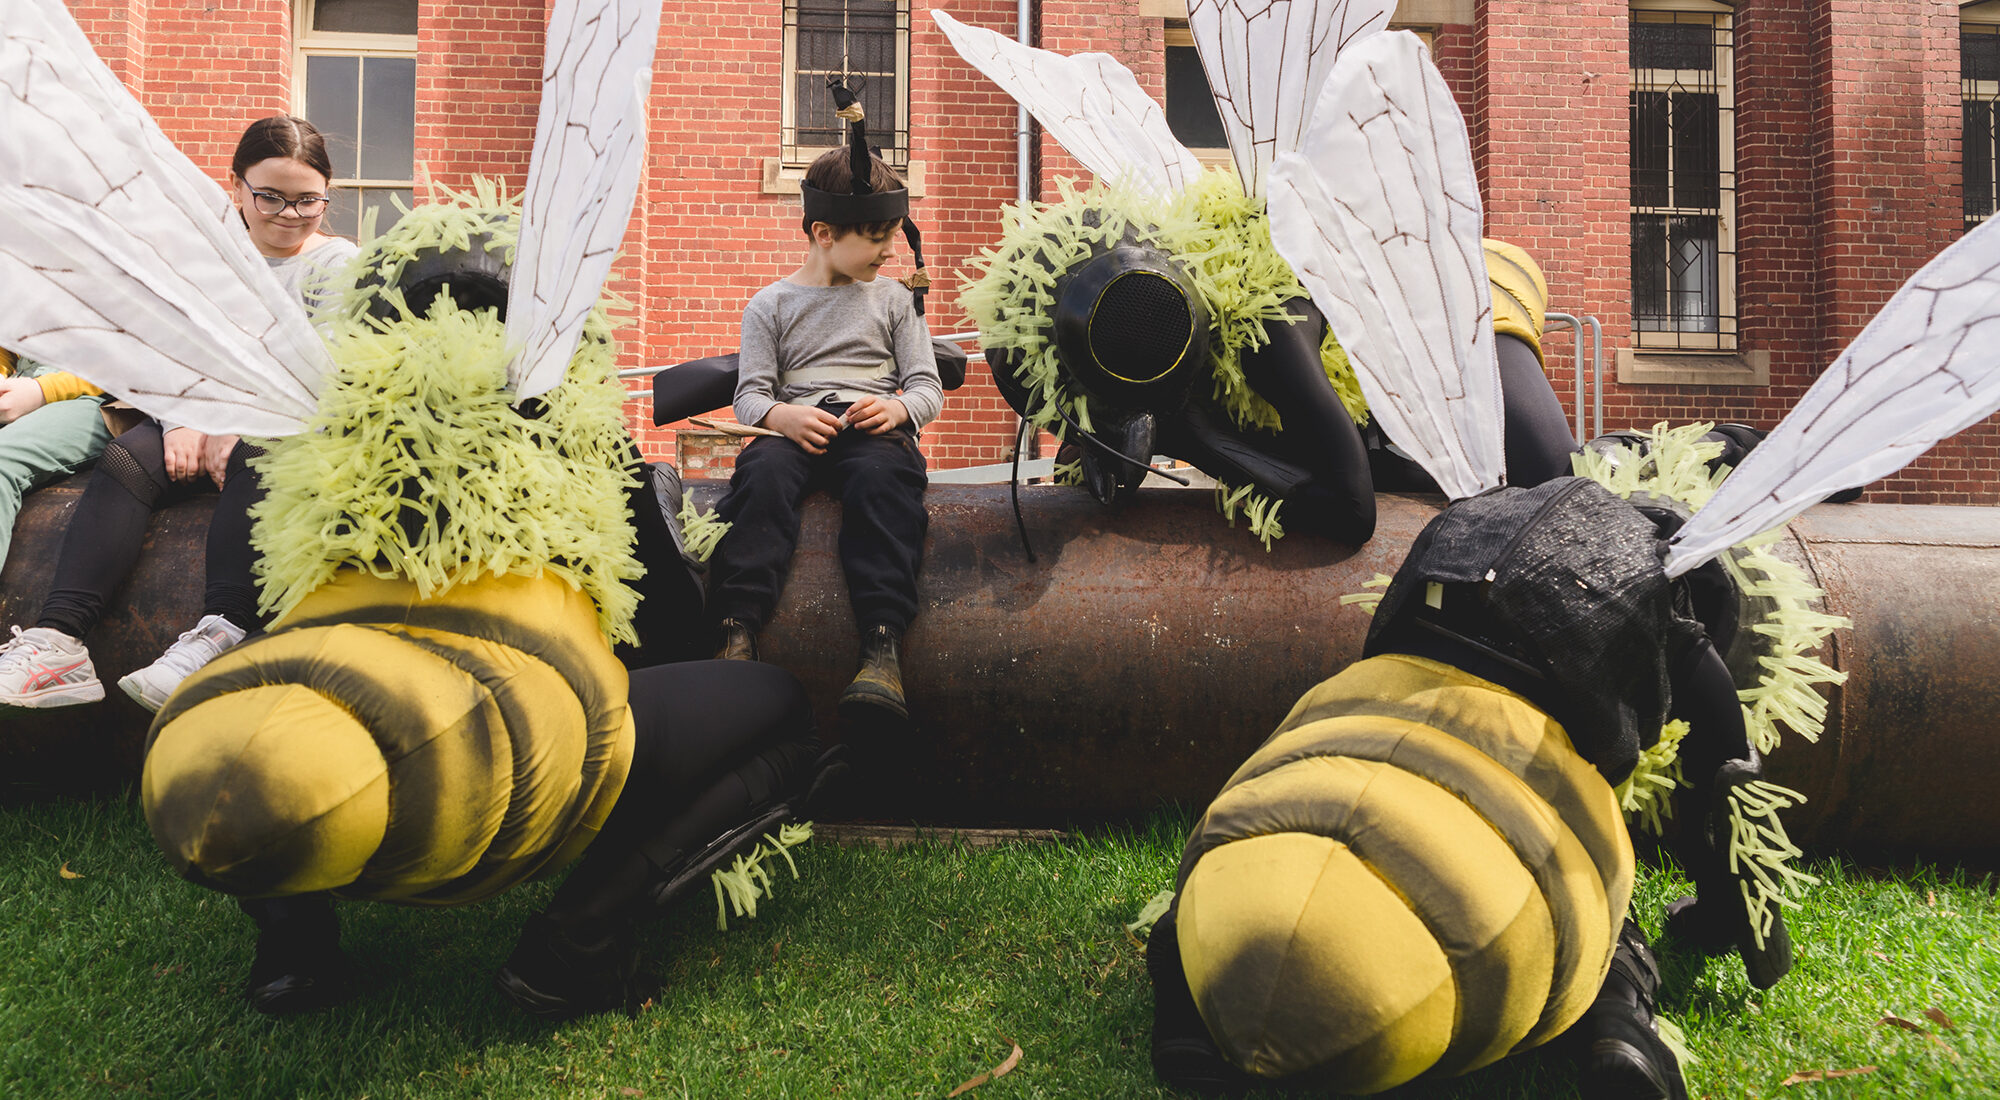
739	641
299	966
1624	1057
877	690
552	976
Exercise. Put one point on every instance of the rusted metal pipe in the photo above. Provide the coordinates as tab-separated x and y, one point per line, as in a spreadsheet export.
1148	650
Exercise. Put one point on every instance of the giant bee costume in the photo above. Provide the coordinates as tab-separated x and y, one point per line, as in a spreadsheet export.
448	541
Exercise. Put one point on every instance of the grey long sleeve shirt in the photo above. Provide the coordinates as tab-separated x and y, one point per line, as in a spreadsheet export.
803	342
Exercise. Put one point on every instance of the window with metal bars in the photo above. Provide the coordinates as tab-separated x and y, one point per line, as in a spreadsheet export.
1683	180
865	43
1979	101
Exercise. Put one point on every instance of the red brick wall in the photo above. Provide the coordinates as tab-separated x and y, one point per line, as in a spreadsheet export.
1847	141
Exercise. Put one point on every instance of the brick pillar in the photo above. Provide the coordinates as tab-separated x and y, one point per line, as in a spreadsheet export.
1780	129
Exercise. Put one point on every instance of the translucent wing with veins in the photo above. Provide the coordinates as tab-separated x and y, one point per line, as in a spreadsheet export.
1089	102
590	145
123	262
1379	215
1266	61
1923	369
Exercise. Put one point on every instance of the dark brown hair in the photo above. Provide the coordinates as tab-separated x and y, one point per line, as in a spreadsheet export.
834	172
284	137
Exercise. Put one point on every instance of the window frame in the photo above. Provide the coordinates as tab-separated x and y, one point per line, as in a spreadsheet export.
791	154
1980	18
307	43
1728	323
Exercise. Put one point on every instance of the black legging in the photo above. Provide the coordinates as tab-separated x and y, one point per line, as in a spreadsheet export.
1538	444
105	535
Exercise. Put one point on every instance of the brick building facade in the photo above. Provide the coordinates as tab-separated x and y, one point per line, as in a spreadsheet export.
1843	155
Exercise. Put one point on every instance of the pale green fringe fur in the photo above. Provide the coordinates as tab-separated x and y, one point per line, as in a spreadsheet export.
701	532
1259	510
1220	236
1676	466
424	401
1646	795
1150	913
749	879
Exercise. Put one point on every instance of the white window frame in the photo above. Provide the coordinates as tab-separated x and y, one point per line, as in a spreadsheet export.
1724	339
307	42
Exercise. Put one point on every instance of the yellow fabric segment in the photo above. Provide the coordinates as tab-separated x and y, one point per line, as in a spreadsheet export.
235	793
498	710
62	385
1520	293
8	361
1283	935
1472	807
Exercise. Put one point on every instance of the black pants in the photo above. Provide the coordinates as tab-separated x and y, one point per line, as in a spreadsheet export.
716	742
880	480
105	535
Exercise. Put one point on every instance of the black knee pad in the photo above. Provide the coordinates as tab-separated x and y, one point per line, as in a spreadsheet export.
120	464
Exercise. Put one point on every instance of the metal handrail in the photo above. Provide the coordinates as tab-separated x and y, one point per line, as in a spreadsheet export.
1573	323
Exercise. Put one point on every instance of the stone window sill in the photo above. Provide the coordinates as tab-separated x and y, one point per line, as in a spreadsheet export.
1644	367
784	179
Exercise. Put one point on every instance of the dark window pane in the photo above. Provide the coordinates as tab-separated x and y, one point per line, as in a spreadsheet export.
343	218
366	16
1697	146
1672	45
388	118
1651	151
1979	56
1191	112
1979	118
1676	273
333	104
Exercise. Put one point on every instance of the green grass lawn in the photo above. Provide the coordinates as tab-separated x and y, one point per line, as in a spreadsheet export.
881	974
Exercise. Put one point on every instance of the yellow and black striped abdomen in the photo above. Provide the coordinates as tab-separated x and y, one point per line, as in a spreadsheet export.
1415	874
384	746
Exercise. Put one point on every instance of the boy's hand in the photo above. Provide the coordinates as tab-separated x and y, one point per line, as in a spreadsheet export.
878	415
183	453
18	398
811	428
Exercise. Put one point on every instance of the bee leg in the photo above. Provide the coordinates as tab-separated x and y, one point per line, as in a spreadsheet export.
299	966
1184	1056
559	972
1624	1057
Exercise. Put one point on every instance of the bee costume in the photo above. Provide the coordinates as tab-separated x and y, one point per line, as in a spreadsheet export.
448	541
1425	868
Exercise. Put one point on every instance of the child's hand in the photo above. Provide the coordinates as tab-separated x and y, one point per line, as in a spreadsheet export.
878	415
215	456
811	428
183	453
18	398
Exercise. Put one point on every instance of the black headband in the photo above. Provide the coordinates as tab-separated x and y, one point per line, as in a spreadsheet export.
834	208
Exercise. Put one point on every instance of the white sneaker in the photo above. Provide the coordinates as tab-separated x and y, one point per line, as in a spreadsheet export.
44	668
150	686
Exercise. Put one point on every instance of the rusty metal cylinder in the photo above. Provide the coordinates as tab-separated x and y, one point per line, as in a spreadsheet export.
1147	650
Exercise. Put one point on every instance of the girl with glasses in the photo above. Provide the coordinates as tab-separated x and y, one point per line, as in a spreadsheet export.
278	179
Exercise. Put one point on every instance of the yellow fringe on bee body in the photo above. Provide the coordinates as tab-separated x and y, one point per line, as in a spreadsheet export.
701	532
1151	912
1219	235
747	879
1646	796
1760	853
1259	511
417	464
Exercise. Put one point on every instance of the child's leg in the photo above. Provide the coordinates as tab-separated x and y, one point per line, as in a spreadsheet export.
881	482
51	442
762	508
108	529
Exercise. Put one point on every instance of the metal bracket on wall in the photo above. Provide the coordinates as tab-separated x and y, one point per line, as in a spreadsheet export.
1572	323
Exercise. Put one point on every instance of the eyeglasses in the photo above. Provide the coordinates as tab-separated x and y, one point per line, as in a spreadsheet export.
271	204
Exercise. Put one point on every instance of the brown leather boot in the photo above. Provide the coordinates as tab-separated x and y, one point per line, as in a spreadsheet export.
739	642
877	689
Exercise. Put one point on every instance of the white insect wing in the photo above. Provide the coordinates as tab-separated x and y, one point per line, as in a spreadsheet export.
124	263
1266	62
1379	215
590	147
1922	370
1089	102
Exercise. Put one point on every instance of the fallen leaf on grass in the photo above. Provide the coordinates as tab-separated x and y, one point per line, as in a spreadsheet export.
1937	1016
67	873
1879	955
1006	1065
1906	1025
629	1091
1808	1076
